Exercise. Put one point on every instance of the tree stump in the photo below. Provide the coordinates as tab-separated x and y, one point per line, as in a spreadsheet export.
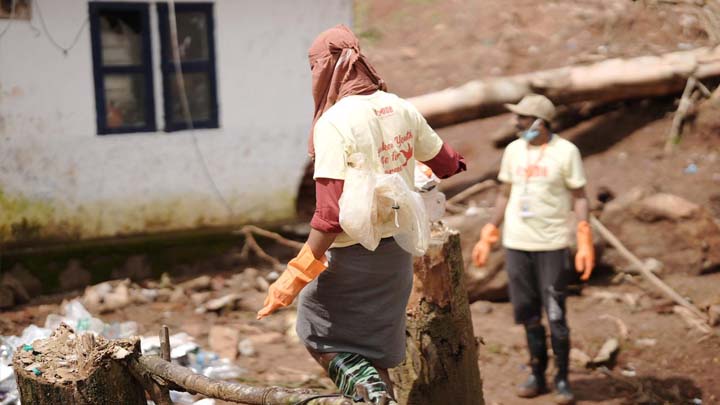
77	370
441	365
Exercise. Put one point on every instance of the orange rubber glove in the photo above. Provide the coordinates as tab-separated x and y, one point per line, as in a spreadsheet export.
489	235
300	271
585	257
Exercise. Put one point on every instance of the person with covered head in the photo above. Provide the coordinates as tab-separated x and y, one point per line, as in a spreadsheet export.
543	179
351	312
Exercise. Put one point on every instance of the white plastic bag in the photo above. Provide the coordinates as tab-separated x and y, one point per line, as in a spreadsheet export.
358	209
426	183
425	179
374	205
434	202
407	219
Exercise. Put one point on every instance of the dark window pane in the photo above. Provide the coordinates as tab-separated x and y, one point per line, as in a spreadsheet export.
192	31
125	100
121	37
197	86
15	9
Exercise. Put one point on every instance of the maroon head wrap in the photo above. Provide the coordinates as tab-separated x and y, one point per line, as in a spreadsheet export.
338	70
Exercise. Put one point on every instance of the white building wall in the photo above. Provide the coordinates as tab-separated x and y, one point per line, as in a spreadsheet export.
58	178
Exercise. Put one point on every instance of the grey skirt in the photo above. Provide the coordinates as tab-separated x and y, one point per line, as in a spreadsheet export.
358	304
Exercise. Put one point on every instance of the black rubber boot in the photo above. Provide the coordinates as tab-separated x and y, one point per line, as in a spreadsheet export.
561	350
535	384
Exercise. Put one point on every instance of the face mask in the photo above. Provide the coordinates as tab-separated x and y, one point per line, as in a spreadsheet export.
532	132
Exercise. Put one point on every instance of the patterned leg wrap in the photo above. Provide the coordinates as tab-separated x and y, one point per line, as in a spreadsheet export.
356	377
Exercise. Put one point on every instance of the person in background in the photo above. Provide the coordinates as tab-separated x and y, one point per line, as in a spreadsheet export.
351	313
542	180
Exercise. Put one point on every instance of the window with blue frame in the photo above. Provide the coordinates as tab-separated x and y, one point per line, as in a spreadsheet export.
196	49
122	66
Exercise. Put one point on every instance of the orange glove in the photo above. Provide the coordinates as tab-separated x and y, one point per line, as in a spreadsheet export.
488	236
300	271
585	257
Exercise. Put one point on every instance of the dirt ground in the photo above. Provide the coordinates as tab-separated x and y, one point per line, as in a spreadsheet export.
678	366
426	45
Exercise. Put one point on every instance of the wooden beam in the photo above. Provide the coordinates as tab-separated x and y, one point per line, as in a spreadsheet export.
231	391
609	80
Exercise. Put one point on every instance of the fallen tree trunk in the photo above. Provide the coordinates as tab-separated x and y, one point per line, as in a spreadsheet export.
441	365
609	80
186	379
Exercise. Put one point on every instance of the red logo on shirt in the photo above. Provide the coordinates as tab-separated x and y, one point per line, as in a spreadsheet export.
532	171
397	154
383	112
407	153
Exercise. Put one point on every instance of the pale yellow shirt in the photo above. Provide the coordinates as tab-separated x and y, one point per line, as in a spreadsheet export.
388	130
538	211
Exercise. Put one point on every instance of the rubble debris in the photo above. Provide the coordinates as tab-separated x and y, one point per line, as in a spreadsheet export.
628	371
631	299
177	295
228	301
246	348
262	285
607	353
664	206
691	242
645	342
200	298
112	295
201	283
181	344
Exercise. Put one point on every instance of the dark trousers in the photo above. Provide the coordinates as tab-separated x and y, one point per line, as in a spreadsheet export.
538	280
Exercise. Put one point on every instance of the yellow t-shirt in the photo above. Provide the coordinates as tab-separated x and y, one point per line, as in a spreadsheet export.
538	211
389	131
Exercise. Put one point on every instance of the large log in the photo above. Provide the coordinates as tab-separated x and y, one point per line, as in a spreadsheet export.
74	370
487	283
441	365
609	80
185	379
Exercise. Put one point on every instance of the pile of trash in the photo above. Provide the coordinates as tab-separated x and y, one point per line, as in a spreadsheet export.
184	350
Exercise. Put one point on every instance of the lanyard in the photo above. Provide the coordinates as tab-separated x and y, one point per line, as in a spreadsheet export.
529	167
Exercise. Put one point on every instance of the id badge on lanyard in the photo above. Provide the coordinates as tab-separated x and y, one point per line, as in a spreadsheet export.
526	199
526	205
